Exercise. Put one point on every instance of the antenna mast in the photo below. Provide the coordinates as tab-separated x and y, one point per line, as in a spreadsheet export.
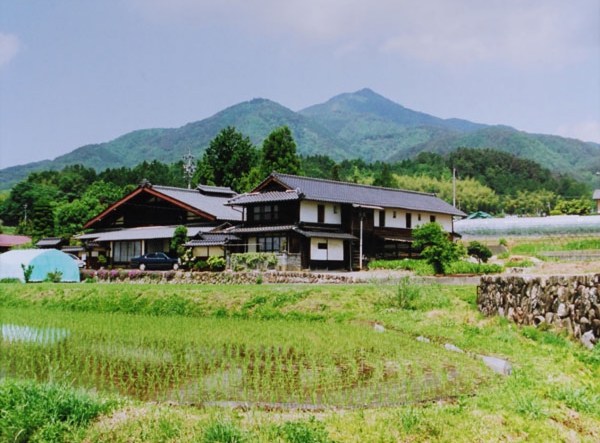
189	168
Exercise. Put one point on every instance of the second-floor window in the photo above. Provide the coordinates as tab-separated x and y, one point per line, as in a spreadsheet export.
266	213
321	213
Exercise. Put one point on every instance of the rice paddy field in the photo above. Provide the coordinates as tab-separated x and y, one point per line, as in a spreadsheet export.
296	363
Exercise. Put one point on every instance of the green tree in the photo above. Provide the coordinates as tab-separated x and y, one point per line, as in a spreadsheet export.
228	160
438	249
42	219
179	238
279	153
385	178
480	251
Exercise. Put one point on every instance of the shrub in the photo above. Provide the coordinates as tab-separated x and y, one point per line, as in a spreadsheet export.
253	260
216	263
54	276
438	249
480	251
10	280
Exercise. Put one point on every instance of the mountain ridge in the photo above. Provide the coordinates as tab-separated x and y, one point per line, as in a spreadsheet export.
362	124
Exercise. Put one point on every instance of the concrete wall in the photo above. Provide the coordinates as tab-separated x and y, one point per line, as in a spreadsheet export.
568	302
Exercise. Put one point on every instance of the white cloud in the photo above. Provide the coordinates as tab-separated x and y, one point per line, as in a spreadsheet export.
447	31
9	47
587	130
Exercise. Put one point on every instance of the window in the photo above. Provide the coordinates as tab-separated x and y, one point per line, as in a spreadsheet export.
419	217
432	218
382	218
321	213
335	209
270	243
394	214
321	245
266	213
408	220
124	250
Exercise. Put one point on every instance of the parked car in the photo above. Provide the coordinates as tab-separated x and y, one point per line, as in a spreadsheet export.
154	260
80	262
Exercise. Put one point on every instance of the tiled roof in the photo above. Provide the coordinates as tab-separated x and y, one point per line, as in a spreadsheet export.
326	234
146	233
212	204
260	229
49	242
341	192
263	197
206	189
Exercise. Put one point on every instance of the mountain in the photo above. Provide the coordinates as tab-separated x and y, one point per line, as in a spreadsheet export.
363	125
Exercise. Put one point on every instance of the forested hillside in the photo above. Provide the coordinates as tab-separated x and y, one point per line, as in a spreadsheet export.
58	203
362	125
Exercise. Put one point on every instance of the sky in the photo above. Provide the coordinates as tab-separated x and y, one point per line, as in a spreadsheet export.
77	72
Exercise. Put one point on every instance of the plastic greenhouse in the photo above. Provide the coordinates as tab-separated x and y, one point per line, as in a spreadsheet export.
44	261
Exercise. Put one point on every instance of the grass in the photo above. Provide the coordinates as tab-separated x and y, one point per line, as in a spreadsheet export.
532	247
552	395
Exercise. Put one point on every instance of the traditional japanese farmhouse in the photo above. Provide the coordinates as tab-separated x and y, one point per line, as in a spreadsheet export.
324	224
146	219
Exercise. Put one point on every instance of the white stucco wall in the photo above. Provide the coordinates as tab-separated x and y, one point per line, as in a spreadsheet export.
400	220
334	251
309	212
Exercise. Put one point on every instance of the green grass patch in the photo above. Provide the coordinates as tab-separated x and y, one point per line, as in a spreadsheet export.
45	412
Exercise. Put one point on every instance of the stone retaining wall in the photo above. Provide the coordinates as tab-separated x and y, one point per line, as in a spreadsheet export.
568	302
226	277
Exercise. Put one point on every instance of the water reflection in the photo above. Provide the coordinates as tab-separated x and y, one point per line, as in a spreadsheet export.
30	334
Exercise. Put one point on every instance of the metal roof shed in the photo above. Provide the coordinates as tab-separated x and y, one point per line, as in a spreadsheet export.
43	261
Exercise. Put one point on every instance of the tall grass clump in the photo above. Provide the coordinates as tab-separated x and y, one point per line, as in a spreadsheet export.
413	296
44	412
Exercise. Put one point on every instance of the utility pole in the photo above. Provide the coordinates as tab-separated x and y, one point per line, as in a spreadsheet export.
189	168
454	187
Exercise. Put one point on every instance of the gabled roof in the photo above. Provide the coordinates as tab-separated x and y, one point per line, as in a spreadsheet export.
210	206
340	192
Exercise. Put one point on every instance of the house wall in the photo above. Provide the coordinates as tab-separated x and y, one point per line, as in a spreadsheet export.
333	252
309	212
208	251
418	218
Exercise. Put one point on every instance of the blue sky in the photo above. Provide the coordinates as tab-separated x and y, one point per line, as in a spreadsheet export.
79	72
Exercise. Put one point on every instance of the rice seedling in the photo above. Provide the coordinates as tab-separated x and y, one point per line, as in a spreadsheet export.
231	360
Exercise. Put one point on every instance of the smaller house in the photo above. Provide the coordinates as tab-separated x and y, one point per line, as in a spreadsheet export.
10	241
145	221
42	262
596	197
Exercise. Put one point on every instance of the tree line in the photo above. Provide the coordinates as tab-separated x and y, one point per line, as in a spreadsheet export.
58	203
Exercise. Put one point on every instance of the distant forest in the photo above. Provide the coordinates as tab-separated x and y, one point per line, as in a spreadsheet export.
58	203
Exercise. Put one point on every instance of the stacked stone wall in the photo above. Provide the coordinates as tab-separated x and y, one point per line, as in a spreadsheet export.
567	302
